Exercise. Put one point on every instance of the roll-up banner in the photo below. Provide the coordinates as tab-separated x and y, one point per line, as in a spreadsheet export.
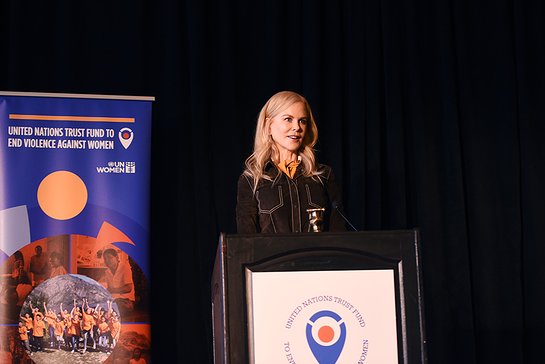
74	228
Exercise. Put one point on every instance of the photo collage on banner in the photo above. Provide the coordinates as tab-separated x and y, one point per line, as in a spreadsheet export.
74	228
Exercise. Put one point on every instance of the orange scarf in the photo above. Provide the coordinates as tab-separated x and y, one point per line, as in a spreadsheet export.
289	167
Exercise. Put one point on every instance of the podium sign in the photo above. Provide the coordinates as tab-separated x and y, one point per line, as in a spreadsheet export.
348	317
321	298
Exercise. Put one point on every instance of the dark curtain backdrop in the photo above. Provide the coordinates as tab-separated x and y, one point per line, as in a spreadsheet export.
431	113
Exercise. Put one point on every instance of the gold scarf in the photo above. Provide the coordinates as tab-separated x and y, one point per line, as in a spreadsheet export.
289	167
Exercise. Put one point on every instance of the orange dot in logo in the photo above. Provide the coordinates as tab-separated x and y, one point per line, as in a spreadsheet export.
62	195
326	334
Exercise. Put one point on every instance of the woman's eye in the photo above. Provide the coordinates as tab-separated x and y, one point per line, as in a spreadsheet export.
303	121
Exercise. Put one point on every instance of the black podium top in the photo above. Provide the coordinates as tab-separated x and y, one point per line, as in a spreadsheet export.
240	254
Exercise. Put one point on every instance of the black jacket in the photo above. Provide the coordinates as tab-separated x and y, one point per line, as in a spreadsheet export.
280	205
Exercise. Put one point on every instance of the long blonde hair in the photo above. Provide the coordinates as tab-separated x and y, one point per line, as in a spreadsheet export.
265	148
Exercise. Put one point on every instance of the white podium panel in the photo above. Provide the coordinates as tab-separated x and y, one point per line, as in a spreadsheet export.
345	316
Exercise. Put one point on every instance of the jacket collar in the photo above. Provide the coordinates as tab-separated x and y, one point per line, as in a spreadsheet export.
275	173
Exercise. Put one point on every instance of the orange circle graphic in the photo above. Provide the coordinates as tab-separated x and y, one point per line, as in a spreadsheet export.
62	195
326	334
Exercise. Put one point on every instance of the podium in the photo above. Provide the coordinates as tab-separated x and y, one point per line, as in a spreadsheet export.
351	297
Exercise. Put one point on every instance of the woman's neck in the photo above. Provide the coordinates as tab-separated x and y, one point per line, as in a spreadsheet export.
288	156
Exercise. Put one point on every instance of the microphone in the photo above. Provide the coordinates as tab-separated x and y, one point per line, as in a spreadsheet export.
337	206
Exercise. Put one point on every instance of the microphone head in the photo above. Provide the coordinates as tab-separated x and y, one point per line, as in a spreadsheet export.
337	206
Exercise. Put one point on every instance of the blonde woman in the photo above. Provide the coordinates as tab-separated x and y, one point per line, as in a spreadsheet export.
282	179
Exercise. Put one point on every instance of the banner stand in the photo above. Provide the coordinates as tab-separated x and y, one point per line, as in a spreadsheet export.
74	226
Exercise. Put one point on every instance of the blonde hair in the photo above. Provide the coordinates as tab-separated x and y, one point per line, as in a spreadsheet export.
265	148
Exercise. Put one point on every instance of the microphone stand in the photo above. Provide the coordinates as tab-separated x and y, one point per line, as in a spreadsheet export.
335	205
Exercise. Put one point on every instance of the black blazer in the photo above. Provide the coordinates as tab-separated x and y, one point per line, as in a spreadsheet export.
280	205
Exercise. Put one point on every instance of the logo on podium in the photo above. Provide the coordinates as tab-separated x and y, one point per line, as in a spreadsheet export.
326	334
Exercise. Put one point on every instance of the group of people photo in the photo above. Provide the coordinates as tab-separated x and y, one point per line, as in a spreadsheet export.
78	330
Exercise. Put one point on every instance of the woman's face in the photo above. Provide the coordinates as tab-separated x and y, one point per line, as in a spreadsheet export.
55	262
288	129
111	261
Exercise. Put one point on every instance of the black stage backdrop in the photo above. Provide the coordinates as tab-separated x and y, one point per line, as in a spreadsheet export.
431	113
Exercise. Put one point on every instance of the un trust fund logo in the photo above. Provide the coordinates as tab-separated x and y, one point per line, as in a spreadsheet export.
325	330
126	136
326	334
